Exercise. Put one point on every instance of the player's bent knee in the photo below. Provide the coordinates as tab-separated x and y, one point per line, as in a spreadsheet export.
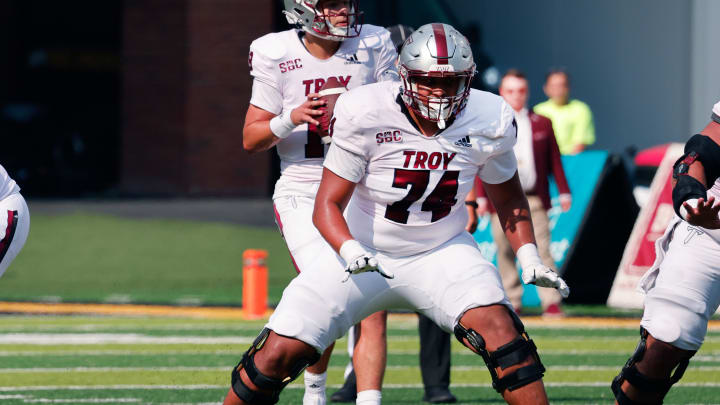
641	382
268	388
507	355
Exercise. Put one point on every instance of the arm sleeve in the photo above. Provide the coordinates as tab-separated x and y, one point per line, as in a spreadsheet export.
345	164
501	165
385	69
344	131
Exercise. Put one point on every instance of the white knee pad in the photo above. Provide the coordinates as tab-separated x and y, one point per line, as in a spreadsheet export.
676	319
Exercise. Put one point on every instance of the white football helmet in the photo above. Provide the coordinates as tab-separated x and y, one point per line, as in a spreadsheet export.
305	14
436	50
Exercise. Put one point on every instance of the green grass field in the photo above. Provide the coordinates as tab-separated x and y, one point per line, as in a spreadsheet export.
68	359
102	258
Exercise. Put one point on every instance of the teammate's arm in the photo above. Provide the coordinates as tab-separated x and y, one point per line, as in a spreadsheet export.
514	214
263	129
702	212
471	205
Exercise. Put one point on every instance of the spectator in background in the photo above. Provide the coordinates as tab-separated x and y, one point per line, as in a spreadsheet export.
538	157
434	342
571	119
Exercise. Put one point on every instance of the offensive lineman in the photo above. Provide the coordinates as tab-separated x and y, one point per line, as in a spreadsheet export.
288	69
413	151
682	288
14	220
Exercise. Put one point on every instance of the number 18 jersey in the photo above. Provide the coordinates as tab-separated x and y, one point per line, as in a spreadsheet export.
284	73
411	188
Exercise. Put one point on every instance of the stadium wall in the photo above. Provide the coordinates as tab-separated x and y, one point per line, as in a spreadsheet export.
186	88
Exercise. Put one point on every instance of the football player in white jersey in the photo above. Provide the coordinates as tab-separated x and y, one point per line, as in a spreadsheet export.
682	288
14	220
288	69
413	148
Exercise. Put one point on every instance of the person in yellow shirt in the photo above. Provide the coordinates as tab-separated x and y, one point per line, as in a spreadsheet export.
572	120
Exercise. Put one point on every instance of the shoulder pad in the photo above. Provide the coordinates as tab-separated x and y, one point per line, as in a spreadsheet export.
493	115
272	46
374	36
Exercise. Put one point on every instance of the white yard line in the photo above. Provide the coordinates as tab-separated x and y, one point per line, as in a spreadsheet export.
110	338
113	338
300	386
478	367
82	400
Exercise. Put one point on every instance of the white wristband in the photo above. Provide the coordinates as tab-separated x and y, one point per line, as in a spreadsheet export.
281	125
693	202
351	249
528	255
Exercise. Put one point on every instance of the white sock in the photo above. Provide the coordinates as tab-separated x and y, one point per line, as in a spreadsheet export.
368	397
315	383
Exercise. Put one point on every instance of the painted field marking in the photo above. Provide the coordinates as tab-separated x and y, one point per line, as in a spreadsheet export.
113	338
331	368
236	313
300	386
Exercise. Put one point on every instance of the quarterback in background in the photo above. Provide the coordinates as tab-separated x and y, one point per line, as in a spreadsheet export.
14	220
410	151
289	69
682	288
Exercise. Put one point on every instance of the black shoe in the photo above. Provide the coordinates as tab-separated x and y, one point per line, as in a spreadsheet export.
348	392
439	395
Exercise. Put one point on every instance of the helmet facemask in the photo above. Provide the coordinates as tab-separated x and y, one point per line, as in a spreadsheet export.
433	108
308	16
322	27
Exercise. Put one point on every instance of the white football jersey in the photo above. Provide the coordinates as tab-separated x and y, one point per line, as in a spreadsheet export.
410	195
285	73
7	185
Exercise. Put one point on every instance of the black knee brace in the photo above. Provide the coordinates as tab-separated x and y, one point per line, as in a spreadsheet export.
505	356
274	385
640	381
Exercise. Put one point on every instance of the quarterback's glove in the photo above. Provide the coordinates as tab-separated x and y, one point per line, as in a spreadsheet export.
358	260
534	272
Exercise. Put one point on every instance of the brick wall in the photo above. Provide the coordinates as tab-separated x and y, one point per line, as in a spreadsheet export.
186	89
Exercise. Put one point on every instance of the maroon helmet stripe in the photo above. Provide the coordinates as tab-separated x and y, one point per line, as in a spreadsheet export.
440	43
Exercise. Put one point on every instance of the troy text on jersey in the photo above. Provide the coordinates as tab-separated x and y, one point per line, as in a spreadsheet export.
433	160
318	83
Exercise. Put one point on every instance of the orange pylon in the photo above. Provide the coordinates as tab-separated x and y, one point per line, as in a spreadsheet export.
255	283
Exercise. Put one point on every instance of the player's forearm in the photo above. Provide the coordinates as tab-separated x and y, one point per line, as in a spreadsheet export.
696	171
329	221
257	137
514	216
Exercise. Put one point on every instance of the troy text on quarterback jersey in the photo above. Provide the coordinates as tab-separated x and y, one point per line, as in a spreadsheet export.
284	73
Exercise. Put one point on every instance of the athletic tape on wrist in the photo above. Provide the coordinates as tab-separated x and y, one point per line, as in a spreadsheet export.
351	249
528	255
282	125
